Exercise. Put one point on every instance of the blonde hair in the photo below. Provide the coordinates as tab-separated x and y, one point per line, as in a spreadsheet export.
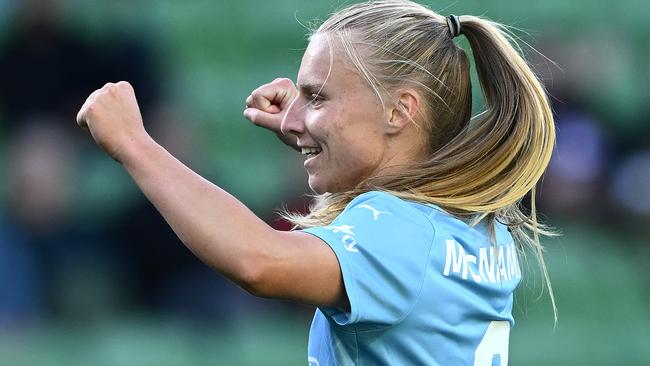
479	167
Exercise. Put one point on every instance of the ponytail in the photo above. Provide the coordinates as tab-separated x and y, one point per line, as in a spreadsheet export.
518	116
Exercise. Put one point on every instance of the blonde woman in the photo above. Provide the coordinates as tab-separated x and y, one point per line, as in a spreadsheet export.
410	251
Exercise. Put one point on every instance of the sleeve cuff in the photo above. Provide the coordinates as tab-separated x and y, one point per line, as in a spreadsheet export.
338	315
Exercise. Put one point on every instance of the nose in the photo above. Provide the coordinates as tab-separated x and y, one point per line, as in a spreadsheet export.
293	121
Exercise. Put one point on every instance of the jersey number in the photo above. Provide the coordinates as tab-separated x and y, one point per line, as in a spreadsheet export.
493	349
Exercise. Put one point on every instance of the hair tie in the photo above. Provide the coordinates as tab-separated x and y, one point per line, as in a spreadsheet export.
453	22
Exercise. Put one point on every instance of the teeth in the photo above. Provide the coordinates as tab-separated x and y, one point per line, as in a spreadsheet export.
310	150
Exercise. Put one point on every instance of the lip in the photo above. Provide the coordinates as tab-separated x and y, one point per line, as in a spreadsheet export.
309	162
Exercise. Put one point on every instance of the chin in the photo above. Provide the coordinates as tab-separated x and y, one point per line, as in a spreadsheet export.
317	186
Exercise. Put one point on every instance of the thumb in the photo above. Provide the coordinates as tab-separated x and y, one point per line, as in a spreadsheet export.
273	109
272	121
263	103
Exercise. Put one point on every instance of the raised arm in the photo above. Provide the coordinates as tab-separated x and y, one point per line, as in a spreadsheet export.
214	225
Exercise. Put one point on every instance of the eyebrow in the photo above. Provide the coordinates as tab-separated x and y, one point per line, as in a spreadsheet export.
309	88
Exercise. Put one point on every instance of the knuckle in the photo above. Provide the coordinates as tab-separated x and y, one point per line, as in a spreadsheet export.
125	85
81	121
113	88
259	90
281	80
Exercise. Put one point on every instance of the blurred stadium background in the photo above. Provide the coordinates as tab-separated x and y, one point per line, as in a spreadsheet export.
90	275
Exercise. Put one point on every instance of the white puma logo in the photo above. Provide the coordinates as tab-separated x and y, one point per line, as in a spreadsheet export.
313	361
375	212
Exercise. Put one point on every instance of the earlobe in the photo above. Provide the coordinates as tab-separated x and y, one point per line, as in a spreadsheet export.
403	113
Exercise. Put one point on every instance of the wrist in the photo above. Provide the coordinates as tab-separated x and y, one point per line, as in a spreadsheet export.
135	149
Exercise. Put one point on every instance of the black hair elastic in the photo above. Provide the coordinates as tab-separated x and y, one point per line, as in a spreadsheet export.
453	22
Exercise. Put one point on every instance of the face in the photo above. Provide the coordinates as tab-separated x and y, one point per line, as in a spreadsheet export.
337	119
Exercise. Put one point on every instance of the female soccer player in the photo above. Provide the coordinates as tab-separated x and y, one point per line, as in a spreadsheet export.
408	253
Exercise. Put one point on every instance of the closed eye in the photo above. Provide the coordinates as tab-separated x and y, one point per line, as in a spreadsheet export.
316	99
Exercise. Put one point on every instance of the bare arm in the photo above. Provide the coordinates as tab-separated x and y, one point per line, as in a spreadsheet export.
214	225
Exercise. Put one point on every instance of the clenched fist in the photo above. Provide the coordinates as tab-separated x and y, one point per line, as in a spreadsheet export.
267	106
112	116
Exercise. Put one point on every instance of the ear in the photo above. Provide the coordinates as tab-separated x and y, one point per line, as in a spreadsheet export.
403	113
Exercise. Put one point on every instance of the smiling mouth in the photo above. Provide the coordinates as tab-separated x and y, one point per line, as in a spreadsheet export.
310	151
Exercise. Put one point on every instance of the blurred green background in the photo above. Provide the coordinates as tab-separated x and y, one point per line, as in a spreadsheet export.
90	275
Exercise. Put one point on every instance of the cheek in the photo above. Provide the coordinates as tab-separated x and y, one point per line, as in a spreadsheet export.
352	160
362	159
351	139
317	124
361	143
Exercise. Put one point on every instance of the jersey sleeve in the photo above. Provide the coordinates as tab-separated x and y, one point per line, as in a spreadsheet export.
382	244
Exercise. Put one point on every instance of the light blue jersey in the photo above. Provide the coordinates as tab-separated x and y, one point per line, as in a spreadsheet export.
424	288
